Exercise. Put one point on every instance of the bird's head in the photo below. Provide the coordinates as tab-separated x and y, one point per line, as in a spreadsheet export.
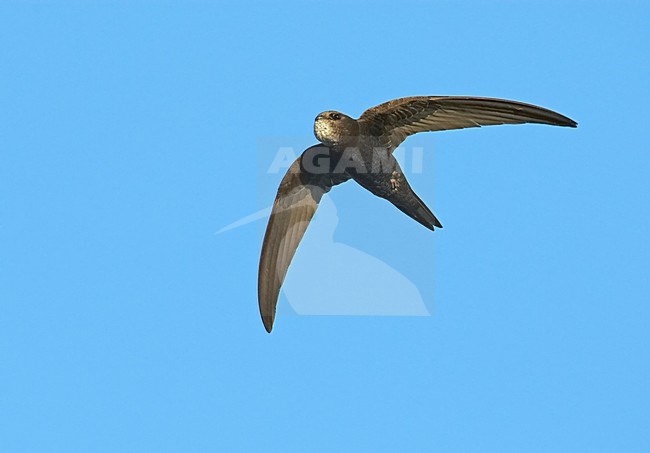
335	128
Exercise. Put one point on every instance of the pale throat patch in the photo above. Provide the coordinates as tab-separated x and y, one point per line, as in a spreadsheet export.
325	132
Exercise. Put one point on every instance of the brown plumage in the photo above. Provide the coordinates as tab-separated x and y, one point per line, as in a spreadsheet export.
362	150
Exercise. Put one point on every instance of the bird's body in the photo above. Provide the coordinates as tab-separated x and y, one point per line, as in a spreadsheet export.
362	149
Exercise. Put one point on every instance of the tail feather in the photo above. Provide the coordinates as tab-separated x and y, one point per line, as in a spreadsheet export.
415	208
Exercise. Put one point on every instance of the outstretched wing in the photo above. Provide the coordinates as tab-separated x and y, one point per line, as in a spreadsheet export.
294	206
395	120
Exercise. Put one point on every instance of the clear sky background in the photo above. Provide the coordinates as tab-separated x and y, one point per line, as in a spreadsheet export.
130	133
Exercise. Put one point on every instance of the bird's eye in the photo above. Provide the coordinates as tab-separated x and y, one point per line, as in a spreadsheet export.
335	116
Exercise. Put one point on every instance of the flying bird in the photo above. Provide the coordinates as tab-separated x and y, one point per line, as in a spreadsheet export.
362	149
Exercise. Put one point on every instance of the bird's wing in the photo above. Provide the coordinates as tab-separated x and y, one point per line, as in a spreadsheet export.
294	206
395	120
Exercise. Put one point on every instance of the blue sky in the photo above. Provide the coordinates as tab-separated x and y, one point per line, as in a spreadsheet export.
131	132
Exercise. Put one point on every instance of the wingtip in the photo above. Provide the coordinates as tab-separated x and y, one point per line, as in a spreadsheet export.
268	323
567	122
